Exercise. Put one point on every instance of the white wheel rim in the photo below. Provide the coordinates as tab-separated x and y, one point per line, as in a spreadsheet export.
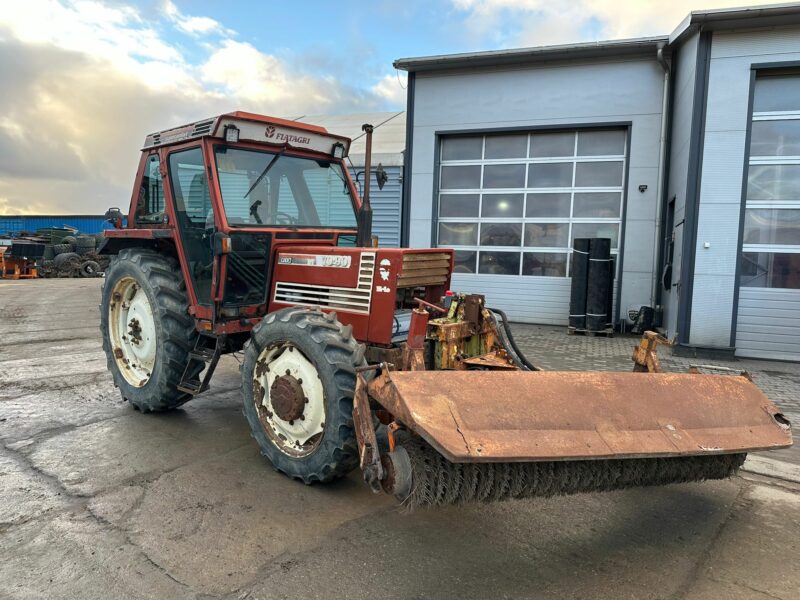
302	436
132	331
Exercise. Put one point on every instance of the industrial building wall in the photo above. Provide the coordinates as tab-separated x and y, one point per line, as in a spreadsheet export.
559	95
683	98
727	117
386	203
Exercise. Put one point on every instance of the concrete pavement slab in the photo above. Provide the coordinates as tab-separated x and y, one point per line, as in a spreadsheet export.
134	446
73	556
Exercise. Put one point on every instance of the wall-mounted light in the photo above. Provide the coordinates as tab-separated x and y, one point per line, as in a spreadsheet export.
338	150
231	134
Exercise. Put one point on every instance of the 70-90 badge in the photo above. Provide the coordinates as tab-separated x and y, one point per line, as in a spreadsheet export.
337	261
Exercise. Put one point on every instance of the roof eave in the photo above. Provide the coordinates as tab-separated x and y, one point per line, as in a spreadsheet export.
542	54
753	17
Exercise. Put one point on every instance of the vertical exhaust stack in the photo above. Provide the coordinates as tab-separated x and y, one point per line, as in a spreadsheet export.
364	238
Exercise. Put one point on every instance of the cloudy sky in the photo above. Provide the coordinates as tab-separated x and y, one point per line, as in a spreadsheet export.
82	82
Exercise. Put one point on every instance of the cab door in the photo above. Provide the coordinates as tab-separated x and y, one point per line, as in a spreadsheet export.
194	213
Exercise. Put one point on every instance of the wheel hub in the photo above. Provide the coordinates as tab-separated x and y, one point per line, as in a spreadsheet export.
135	331
287	397
132	331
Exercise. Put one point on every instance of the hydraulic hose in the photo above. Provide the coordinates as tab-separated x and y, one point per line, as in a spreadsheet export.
524	362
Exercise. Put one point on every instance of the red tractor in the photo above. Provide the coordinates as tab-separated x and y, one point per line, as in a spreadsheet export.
246	233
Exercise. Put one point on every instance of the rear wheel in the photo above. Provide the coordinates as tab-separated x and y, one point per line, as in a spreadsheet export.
147	331
298	379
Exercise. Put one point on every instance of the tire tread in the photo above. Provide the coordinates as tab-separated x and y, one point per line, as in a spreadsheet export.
343	354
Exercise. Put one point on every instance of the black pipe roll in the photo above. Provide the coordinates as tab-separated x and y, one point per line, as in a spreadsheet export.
598	288
610	296
579	274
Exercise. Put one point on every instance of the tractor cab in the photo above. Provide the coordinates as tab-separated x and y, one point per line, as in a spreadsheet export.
226	192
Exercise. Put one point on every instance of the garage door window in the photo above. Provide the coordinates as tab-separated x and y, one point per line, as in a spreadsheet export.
771	242
511	204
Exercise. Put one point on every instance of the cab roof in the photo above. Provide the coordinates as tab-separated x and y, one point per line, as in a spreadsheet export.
271	131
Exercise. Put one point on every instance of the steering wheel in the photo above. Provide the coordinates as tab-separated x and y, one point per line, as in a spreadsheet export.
288	219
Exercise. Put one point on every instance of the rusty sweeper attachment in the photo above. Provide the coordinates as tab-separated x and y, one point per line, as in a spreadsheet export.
491	429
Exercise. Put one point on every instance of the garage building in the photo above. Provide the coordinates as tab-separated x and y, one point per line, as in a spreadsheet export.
683	149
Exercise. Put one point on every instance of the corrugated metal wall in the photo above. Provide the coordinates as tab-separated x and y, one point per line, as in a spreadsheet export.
386	206
11	225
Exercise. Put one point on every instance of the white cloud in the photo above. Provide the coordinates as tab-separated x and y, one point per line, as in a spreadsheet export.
240	70
114	34
193	25
392	88
542	22
84	82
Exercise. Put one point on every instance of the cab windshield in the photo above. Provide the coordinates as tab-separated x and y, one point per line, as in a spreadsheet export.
262	188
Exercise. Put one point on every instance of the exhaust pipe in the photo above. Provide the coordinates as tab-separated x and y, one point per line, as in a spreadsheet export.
364	237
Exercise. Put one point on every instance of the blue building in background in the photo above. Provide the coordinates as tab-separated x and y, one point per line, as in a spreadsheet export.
13	225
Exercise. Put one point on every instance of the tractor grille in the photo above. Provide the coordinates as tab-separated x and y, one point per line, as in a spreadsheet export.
355	299
423	269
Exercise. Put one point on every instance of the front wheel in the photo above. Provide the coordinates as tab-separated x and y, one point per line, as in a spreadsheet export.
298	380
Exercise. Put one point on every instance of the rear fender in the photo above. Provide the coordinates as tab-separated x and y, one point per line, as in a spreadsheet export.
156	239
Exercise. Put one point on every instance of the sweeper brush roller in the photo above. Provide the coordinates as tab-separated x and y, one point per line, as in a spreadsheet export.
435	481
484	436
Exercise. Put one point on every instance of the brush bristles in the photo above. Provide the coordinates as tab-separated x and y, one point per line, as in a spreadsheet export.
438	482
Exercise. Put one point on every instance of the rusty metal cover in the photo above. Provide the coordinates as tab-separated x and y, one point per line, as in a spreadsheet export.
493	416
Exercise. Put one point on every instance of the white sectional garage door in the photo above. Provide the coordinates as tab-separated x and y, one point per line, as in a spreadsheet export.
511	204
768	321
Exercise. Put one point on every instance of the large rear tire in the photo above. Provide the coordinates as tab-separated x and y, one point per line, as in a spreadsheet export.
147	330
298	380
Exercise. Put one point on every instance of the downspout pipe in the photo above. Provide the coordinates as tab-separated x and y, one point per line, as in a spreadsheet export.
655	289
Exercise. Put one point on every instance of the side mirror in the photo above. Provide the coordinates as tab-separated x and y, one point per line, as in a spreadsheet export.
114	216
381	176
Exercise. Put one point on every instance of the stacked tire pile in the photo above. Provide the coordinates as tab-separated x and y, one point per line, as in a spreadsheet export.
74	256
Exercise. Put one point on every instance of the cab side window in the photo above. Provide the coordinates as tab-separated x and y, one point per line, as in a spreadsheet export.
150	203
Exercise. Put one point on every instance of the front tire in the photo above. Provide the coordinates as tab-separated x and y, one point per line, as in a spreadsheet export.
147	331
298	380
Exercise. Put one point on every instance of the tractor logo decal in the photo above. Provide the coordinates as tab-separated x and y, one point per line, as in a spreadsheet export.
384	270
287	138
